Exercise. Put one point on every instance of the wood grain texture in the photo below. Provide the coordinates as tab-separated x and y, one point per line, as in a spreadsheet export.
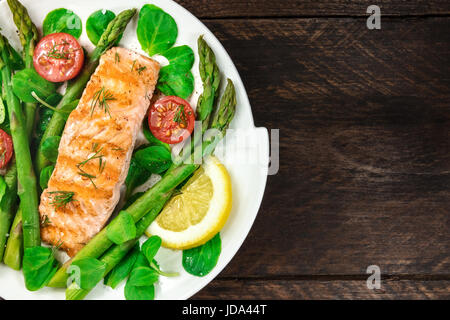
364	119
321	290
304	8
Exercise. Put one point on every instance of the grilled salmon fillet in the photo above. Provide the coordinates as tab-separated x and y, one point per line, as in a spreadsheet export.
96	148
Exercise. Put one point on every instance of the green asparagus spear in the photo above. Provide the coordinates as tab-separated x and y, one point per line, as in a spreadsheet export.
7	205
27	189
114	255
28	35
2	105
75	88
14	249
210	74
223	115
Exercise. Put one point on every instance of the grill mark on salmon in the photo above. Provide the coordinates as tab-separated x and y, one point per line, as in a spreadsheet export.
114	133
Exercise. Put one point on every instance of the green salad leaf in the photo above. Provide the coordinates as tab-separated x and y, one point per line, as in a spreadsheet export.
144	273
176	78
15	59
96	24
141	261
66	109
201	260
27	81
91	271
181	58
16	64
146	291
150	247
155	159
173	82
139	293
45	175
62	20
123	269
3	187
157	31
39	265
122	228
142	276
45	114
152	140
50	148
137	175
148	7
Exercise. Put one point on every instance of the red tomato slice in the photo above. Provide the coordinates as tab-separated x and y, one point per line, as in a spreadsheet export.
6	149
58	57
171	119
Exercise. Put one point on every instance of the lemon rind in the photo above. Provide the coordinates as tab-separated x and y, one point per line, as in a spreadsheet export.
219	211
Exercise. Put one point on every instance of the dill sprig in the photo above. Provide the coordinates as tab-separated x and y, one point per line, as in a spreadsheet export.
101	99
61	198
57	246
180	116
58	52
141	69
117	58
45	221
101	163
96	155
89	176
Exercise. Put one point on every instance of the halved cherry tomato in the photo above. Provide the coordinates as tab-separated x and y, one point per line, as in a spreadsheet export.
58	57
171	119
6	149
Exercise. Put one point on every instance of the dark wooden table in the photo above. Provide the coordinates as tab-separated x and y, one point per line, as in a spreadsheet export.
364	119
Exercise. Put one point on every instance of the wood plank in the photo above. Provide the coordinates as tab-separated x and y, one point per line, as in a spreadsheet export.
244	289
304	8
365	127
318	290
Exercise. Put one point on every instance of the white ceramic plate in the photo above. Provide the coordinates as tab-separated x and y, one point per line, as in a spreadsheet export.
245	154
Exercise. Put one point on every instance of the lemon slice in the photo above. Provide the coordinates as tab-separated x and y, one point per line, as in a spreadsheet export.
199	212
